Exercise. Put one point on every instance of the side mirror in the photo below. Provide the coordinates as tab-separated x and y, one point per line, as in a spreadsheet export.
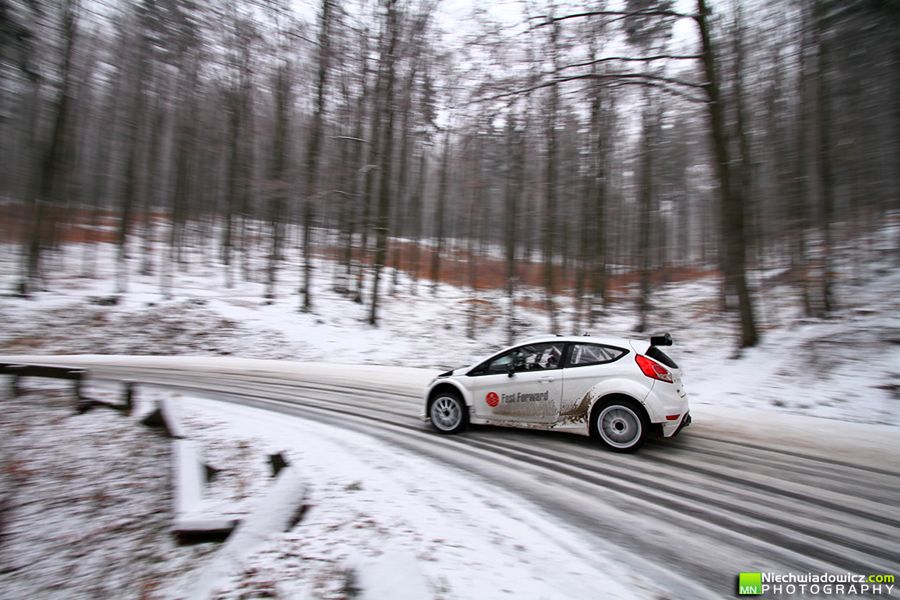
511	369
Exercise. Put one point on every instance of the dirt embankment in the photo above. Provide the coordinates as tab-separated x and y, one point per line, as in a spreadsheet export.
98	226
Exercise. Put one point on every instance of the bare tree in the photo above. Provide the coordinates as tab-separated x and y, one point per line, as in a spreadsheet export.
277	205
382	227
549	224
826	176
47	194
313	150
133	132
732	206
237	101
439	212
513	190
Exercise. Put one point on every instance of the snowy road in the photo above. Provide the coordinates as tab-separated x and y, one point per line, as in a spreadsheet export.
790	495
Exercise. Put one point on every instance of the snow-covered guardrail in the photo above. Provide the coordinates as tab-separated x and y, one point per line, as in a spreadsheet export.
193	518
274	512
77	375
167	417
19	370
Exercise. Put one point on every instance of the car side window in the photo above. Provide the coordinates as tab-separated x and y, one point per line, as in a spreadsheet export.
538	357
583	355
533	357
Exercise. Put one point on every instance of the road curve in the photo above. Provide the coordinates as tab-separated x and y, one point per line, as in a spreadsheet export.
684	515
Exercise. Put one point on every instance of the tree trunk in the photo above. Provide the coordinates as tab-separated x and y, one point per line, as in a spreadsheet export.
475	208
513	191
360	169
439	216
415	218
801	178
277	201
597	230
731	202
231	199
645	221
312	157
375	143
401	206
152	168
826	175
52	178
549	225
183	152
133	141
384	198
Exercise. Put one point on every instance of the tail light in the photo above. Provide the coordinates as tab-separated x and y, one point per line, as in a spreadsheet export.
653	369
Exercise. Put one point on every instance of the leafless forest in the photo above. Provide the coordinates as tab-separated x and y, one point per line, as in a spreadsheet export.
587	150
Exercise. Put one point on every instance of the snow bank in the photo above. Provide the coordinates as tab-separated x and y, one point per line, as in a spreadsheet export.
390	524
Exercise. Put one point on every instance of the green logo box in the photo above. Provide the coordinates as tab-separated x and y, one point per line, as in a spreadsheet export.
750	584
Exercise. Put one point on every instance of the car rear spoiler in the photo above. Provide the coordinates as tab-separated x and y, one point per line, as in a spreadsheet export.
661	340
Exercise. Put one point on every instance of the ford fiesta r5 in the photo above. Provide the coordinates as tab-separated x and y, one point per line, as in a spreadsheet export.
613	389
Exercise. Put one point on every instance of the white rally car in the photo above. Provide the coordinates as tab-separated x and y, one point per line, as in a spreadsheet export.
614	389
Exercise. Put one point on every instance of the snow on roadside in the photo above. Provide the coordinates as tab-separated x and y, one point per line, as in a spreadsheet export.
367	502
84	501
87	511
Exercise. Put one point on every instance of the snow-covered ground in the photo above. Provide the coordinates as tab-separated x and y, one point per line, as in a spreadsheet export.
83	501
369	503
86	513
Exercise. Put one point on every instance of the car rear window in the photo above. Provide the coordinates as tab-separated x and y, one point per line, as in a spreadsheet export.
594	354
659	356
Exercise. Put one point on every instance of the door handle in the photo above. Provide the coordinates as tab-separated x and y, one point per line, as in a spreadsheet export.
545	379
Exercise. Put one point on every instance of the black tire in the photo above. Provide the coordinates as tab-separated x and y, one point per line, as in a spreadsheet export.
620	424
448	413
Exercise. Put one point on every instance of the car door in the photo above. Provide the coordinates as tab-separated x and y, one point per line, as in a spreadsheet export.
530	394
586	365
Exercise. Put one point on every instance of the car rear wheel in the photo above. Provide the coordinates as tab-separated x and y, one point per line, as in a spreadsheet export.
620	425
448	413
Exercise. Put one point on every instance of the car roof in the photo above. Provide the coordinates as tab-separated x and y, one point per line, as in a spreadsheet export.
585	339
618	342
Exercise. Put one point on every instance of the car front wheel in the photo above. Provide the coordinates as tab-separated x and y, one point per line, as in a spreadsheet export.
620	425
448	413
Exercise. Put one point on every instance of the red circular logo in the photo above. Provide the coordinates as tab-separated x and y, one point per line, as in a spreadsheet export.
492	399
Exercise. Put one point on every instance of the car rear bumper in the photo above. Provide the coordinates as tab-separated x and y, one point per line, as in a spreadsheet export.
667	401
673	428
